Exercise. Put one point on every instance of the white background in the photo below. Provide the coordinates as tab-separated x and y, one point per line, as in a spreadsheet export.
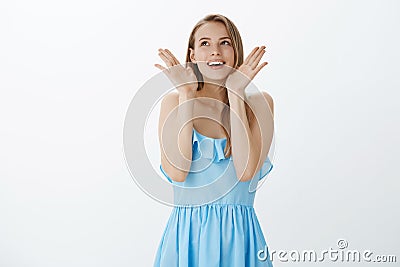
68	71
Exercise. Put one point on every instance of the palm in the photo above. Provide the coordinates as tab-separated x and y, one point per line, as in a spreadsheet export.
180	76
247	71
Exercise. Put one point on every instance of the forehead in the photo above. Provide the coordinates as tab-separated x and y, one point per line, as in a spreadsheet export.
212	29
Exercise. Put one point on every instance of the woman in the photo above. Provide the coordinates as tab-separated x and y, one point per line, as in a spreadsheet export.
222	141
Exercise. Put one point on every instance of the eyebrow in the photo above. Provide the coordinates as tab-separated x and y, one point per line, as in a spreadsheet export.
208	38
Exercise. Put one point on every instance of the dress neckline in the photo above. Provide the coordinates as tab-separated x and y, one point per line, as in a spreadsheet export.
208	136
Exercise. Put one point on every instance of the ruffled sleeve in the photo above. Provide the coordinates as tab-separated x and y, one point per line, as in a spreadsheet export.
265	168
165	174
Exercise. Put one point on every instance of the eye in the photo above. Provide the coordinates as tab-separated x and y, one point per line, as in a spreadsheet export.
225	42
203	43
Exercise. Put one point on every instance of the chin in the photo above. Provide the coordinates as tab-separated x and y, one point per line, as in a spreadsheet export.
215	75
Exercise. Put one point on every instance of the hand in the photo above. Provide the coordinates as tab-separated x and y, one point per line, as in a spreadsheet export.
182	78
238	80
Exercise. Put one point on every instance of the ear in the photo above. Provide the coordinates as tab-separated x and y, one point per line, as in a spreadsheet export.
192	58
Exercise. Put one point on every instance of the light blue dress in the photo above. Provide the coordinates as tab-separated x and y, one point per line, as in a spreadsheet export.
223	232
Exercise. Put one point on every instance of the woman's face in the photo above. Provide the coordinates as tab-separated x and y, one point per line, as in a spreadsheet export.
213	51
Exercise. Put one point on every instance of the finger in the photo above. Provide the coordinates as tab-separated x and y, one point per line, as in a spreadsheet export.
165	59
175	61
170	56
256	56
160	67
250	55
257	59
260	67
246	61
166	55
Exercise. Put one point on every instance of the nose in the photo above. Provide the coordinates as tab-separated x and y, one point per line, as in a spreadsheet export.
215	51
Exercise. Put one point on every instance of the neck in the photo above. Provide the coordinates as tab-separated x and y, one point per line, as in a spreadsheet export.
214	91
211	96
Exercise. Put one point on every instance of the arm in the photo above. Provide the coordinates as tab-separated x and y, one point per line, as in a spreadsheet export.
245	149
249	155
175	147
250	140
176	109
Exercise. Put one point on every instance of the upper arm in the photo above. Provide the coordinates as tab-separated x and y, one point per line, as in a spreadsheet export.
168	104
262	126
270	102
259	105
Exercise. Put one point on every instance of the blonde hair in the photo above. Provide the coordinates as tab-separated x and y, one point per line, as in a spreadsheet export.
237	45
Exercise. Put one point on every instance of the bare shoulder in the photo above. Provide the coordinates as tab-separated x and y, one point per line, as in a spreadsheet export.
259	99
170	100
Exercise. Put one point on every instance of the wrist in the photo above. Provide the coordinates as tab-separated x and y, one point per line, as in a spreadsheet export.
236	95
187	90
186	95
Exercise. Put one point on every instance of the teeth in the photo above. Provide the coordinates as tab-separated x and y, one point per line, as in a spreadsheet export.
215	63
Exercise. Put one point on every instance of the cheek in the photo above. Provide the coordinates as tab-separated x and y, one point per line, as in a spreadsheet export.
200	55
229	53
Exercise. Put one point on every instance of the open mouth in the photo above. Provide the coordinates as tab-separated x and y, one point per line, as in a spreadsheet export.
215	64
